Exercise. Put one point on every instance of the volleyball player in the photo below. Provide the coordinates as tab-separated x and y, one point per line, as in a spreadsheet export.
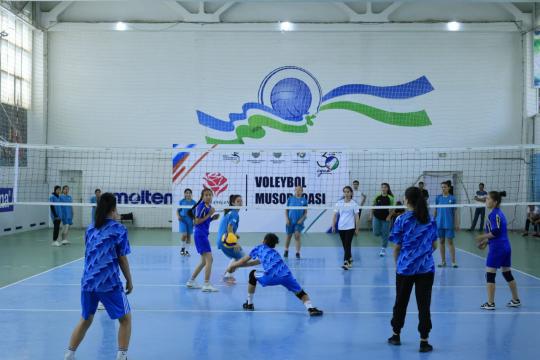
500	251
295	220
276	272
107	247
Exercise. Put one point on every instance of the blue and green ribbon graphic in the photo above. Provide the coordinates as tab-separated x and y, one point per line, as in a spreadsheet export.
261	117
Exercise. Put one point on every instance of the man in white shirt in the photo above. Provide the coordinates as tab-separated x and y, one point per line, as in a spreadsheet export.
358	196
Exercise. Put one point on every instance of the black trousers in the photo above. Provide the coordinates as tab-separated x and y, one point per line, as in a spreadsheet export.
528	224
423	283
56	229
479	213
346	240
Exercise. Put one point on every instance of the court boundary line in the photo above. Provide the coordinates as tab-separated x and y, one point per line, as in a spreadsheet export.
482	286
195	311
513	268
40	273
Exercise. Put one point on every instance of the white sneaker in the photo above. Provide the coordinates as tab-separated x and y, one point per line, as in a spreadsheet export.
100	306
65	242
56	243
69	355
191	284
383	252
121	355
209	288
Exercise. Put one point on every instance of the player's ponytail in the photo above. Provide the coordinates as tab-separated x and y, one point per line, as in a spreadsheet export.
419	204
191	212
497	196
106	204
232	200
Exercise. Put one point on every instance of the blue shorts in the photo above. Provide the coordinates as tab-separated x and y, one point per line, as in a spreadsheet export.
499	257
291	229
446	233
185	227
288	281
115	302
232	253
202	244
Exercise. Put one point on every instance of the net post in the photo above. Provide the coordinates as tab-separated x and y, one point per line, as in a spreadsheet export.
16	174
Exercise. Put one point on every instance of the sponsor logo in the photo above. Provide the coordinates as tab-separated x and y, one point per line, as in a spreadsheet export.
144	197
328	163
234	157
255	155
6	197
216	182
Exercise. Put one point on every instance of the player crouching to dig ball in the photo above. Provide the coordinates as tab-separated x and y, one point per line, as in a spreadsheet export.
276	272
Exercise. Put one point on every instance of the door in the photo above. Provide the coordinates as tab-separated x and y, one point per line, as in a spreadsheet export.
73	179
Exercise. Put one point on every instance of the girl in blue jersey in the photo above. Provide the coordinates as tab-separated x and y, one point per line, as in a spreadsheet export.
415	237
500	252
294	220
56	214
203	213
447	221
107	247
276	272
185	222
229	225
67	213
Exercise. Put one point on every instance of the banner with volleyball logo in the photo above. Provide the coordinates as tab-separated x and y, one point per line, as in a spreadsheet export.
265	179
290	98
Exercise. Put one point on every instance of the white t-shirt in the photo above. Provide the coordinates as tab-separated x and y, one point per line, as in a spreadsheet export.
357	196
347	212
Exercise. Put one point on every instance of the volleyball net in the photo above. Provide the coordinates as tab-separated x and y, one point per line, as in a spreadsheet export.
149	183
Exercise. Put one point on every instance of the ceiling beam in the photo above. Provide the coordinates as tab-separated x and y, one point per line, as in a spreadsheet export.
200	16
518	15
369	15
51	17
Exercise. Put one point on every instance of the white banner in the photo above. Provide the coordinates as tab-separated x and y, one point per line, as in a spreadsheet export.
264	179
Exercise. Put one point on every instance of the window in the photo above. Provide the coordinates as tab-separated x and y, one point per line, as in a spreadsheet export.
15	62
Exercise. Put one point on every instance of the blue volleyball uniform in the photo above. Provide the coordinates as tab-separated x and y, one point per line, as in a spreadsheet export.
55	210
416	240
500	251
185	225
202	230
295	214
67	211
276	272
101	276
445	216
232	218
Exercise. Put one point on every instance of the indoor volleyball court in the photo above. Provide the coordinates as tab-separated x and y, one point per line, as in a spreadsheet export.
264	179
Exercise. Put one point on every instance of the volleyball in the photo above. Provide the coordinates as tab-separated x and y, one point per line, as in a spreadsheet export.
229	239
291	98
